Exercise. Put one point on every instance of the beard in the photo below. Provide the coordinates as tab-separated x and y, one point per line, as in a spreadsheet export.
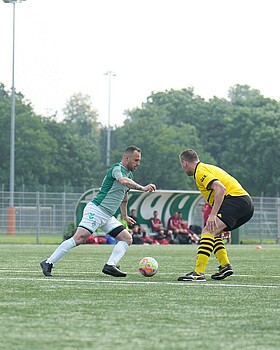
189	172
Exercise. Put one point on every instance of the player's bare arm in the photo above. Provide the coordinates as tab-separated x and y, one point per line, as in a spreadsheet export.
123	209
125	181
219	193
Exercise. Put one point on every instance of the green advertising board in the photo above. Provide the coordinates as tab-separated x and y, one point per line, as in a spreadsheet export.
189	203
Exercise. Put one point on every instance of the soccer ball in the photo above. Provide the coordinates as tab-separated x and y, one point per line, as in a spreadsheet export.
148	266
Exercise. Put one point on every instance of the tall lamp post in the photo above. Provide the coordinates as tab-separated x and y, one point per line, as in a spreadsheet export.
11	209
110	75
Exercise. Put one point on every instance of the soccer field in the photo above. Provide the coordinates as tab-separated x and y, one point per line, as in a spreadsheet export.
81	308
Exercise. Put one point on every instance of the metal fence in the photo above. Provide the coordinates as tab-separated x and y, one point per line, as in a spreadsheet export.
265	224
45	213
39	212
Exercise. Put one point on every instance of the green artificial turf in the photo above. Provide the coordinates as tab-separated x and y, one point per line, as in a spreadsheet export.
81	308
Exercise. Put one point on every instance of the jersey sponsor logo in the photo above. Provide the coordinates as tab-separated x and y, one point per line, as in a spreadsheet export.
91	217
203	178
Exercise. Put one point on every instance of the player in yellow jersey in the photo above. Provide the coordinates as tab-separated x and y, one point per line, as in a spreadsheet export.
231	207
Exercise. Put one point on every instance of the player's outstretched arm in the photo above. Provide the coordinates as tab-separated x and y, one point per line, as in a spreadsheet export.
125	181
149	188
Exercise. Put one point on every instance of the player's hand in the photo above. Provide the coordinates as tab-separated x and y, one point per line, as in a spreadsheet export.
211	223
149	188
129	220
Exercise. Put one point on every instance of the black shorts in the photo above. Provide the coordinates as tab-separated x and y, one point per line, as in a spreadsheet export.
236	211
116	231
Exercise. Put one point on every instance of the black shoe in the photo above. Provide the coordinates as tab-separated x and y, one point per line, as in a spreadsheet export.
193	276
46	267
224	271
113	271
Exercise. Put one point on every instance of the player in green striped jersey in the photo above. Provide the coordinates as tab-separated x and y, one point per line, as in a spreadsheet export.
99	213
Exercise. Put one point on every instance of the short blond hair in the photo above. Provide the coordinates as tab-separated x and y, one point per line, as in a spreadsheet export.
189	155
131	149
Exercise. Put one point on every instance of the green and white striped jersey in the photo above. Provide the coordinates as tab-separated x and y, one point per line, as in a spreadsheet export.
112	193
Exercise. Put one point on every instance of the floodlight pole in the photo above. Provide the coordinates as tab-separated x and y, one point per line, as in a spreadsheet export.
11	210
110	75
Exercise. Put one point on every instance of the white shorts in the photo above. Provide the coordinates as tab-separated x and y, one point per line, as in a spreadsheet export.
94	218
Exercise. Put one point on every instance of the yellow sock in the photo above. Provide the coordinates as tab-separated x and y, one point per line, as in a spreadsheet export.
220	251
205	249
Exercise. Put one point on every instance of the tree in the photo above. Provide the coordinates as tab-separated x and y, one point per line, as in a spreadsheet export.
48	152
237	132
33	145
252	149
79	113
161	145
240	134
244	95
5	115
84	144
213	125
173	107
76	159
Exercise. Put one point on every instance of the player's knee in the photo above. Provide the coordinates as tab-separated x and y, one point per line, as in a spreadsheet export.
205	230
81	236
128	239
125	236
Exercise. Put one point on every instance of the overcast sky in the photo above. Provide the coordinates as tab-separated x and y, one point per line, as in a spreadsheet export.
66	46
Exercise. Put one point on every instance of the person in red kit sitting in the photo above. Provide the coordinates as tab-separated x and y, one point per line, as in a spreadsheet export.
180	235
206	210
157	227
184	226
156	224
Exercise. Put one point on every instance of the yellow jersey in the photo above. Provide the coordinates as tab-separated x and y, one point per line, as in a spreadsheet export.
205	174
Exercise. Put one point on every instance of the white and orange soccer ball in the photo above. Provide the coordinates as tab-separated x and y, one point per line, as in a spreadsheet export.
148	266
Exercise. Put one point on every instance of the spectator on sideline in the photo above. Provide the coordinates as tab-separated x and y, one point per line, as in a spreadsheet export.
100	213
140	230
156	224
206	210
184	225
173	224
139	233
137	237
226	236
123	221
135	230
157	227
180	235
231	207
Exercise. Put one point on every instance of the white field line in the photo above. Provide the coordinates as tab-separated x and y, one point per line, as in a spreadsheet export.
121	282
129	273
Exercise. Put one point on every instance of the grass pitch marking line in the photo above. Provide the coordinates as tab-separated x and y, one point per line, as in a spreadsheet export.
130	273
147	282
